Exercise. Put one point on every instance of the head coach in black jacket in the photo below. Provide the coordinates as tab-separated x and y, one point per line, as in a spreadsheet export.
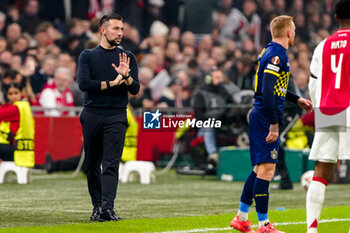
105	74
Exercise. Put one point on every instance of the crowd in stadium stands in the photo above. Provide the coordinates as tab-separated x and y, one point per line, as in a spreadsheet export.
177	43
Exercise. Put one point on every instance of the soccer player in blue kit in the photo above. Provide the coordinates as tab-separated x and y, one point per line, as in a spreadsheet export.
271	83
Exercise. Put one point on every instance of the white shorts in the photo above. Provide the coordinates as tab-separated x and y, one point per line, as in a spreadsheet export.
331	143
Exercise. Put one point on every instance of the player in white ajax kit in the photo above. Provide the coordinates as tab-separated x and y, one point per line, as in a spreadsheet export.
330	94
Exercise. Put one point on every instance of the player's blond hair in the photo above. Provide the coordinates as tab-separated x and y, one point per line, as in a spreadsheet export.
279	24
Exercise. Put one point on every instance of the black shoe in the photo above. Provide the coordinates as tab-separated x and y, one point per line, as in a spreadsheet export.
210	170
109	215
96	213
49	163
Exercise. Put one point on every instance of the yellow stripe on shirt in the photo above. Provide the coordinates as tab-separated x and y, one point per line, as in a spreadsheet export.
272	72
257	71
256	77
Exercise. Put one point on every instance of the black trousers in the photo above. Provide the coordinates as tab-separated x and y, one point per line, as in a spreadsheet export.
281	167
6	152
104	137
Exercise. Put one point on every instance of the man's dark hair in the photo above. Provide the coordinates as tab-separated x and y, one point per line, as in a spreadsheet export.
106	18
342	9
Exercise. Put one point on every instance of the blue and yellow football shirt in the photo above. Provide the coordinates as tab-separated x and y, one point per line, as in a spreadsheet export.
273	71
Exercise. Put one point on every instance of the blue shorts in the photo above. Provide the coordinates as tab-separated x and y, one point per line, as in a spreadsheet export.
260	150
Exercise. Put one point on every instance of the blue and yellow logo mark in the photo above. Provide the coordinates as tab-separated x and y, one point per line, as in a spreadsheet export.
274	154
151	120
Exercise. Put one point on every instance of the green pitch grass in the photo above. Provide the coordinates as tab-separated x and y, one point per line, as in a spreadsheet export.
59	203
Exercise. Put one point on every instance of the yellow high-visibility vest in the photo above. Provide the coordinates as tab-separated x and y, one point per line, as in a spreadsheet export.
130	144
297	138
24	153
4	132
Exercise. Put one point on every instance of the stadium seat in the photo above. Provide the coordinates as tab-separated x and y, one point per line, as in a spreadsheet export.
22	173
144	169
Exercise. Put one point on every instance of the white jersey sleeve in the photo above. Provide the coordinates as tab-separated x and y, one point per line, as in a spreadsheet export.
316	62
316	74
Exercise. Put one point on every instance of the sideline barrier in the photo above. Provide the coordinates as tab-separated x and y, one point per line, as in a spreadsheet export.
59	136
62	138
235	165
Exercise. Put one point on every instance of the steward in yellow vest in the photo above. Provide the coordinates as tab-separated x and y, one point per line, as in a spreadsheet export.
301	134
16	129
130	144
